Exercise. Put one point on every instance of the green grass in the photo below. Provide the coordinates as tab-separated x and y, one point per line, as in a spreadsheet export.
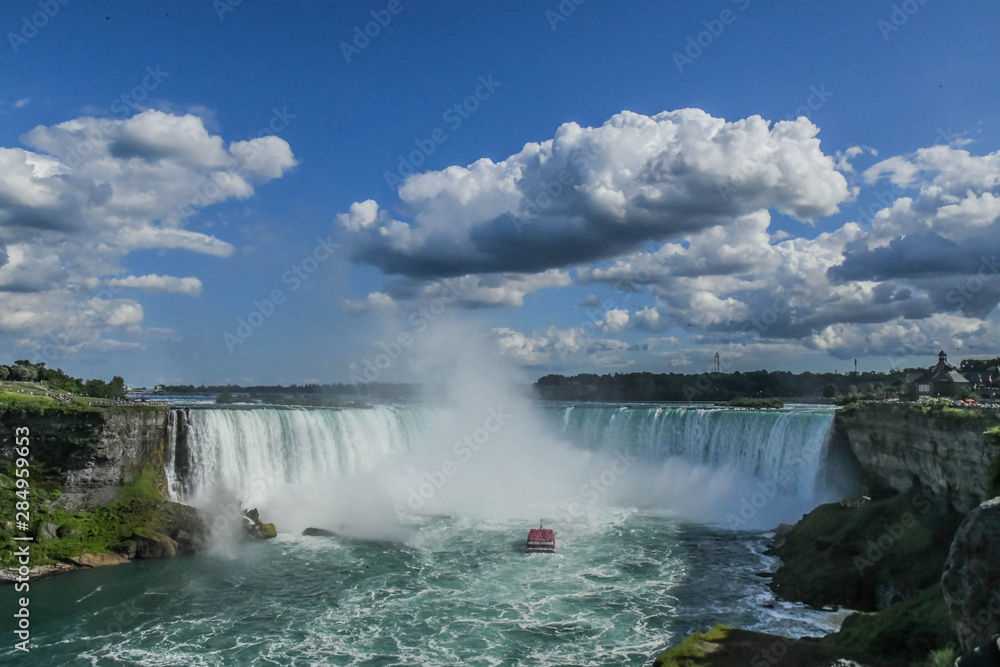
32	402
691	652
942	409
43	403
40	402
25	396
146	484
138	509
849	409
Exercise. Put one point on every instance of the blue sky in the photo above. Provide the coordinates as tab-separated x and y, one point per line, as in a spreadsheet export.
831	191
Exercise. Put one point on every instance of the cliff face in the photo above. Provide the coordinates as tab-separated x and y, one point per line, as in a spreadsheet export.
971	579
900	447
92	453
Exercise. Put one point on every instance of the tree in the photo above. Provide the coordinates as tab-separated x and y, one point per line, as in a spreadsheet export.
95	388
830	390
117	387
59	381
4	372
225	397
23	372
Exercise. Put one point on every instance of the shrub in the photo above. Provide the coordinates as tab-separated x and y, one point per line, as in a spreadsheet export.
942	658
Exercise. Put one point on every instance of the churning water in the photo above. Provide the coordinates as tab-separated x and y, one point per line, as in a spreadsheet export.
657	512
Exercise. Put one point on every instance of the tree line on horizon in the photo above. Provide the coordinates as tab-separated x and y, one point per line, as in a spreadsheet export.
646	386
384	390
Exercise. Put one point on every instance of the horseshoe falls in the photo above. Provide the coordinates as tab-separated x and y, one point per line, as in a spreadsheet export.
660	514
693	462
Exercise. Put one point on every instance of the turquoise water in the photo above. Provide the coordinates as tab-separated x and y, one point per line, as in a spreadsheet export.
640	498
621	587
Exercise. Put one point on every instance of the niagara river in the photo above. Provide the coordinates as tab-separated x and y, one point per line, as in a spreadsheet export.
660	512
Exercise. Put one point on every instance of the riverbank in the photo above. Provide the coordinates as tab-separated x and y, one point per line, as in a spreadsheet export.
94	487
728	647
138	523
882	558
926	471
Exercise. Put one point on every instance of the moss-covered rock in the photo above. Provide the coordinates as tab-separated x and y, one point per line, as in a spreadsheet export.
865	555
993	475
726	647
903	634
693	651
151	544
139	511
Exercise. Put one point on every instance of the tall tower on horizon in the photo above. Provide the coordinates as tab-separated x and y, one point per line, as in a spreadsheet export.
717	363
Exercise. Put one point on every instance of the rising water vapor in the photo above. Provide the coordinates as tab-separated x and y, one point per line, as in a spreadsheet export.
488	450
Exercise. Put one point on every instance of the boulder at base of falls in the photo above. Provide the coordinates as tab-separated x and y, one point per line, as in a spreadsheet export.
97	560
154	545
971	580
253	529
318	532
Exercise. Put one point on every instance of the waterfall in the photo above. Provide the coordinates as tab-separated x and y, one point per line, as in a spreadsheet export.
251	451
697	461
760	443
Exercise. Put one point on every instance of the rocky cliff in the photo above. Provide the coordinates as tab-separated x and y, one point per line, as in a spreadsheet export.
901	447
971	578
98	490
92	454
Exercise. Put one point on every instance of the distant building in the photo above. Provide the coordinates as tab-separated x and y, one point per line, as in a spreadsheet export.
985	382
942	380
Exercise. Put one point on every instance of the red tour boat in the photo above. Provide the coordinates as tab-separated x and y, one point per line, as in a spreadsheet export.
541	539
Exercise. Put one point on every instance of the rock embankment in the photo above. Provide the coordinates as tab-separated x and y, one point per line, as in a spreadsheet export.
91	454
728	647
971	579
129	528
98	492
866	554
926	467
901	447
